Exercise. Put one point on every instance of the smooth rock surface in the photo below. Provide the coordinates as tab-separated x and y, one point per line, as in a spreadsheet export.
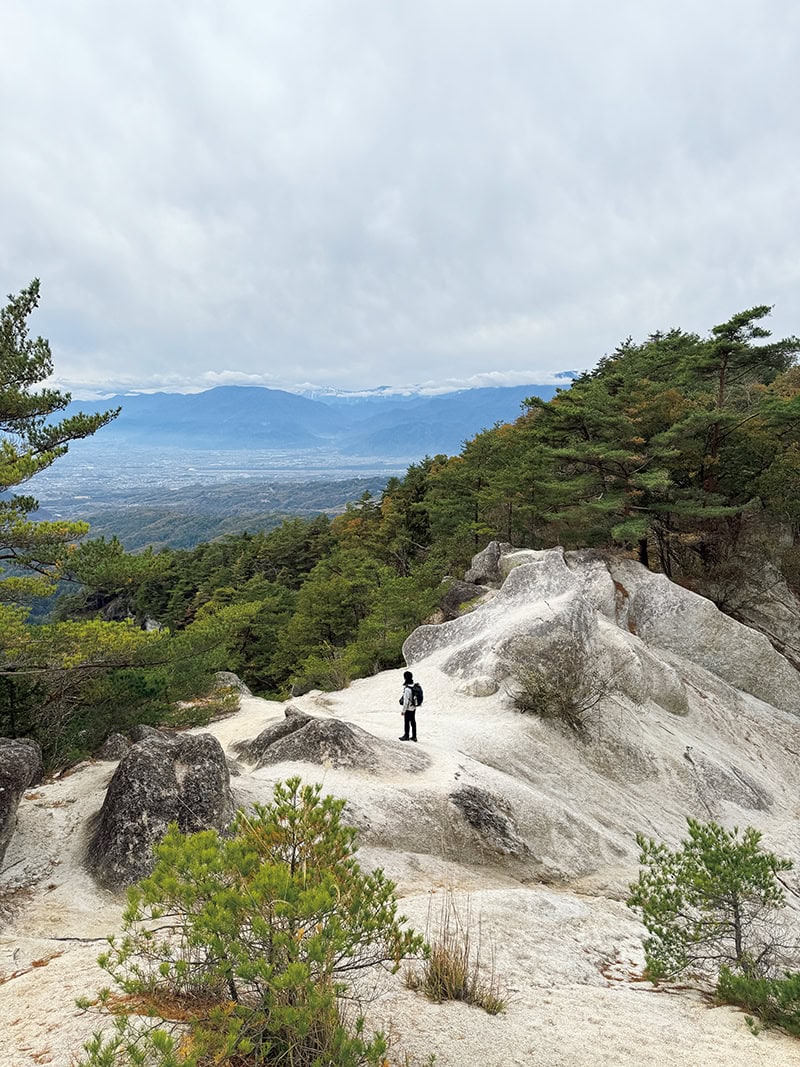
20	767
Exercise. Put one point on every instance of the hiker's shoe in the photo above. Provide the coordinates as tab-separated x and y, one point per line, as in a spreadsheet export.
404	739
413	739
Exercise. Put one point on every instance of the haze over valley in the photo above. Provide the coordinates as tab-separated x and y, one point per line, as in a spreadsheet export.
174	469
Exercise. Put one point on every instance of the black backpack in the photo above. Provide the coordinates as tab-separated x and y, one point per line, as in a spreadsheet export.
416	695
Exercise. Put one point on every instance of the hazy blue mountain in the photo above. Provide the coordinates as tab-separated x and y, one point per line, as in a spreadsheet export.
381	425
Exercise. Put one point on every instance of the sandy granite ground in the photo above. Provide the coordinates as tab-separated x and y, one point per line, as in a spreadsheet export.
569	956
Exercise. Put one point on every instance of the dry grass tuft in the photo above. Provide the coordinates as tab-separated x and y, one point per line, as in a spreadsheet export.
454	968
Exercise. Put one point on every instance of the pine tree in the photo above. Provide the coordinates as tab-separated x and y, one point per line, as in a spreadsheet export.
268	932
29	443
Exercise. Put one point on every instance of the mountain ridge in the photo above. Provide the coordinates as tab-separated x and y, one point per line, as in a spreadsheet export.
230	416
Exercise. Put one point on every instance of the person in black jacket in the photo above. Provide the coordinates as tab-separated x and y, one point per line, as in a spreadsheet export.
409	711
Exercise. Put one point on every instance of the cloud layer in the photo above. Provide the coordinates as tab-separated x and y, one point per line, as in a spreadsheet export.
358	194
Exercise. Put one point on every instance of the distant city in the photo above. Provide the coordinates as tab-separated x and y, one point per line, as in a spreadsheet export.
176	468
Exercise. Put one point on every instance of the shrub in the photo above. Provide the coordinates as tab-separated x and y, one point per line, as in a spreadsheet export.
240	950
326	669
774	1001
453	968
219	703
712	903
563	687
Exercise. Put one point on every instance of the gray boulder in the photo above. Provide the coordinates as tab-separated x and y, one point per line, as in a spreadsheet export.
255	750
457	595
20	767
302	738
485	569
142	731
229	680
161	779
114	747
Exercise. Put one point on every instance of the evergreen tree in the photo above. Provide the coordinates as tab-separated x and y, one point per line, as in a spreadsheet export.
269	929
711	903
29	443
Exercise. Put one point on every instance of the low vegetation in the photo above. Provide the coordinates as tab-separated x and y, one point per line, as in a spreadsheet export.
563	684
714	910
254	948
454	968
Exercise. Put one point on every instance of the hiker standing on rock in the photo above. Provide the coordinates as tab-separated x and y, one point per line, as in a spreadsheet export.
409	701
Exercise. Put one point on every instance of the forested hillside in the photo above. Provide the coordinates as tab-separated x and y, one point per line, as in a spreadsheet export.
682	450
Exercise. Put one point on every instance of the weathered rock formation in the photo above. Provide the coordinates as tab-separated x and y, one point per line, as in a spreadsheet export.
114	747
699	719
302	738
20	767
457	598
160	779
229	680
485	568
606	611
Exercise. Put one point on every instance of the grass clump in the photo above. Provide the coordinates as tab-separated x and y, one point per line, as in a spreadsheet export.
218	704
453	968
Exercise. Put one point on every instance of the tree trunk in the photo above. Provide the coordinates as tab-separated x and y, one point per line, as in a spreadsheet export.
644	555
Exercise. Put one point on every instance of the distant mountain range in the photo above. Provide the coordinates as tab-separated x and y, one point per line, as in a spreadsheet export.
373	424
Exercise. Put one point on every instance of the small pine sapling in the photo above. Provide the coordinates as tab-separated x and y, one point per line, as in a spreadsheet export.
242	949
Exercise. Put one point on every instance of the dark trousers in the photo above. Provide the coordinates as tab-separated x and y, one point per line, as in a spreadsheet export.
410	723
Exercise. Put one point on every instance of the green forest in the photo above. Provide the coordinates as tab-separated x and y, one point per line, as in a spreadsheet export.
681	450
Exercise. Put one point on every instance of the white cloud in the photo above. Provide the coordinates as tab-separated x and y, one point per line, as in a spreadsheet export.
361	194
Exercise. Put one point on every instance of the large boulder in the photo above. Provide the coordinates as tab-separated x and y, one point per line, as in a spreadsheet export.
114	747
255	750
20	766
485	568
229	680
160	780
458	595
301	738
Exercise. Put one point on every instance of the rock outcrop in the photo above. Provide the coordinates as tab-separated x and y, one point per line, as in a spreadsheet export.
491	819
496	803
610	614
20	767
302	738
457	598
485	568
159	780
758	595
229	680
114	747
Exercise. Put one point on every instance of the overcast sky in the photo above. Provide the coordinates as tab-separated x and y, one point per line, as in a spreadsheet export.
363	192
